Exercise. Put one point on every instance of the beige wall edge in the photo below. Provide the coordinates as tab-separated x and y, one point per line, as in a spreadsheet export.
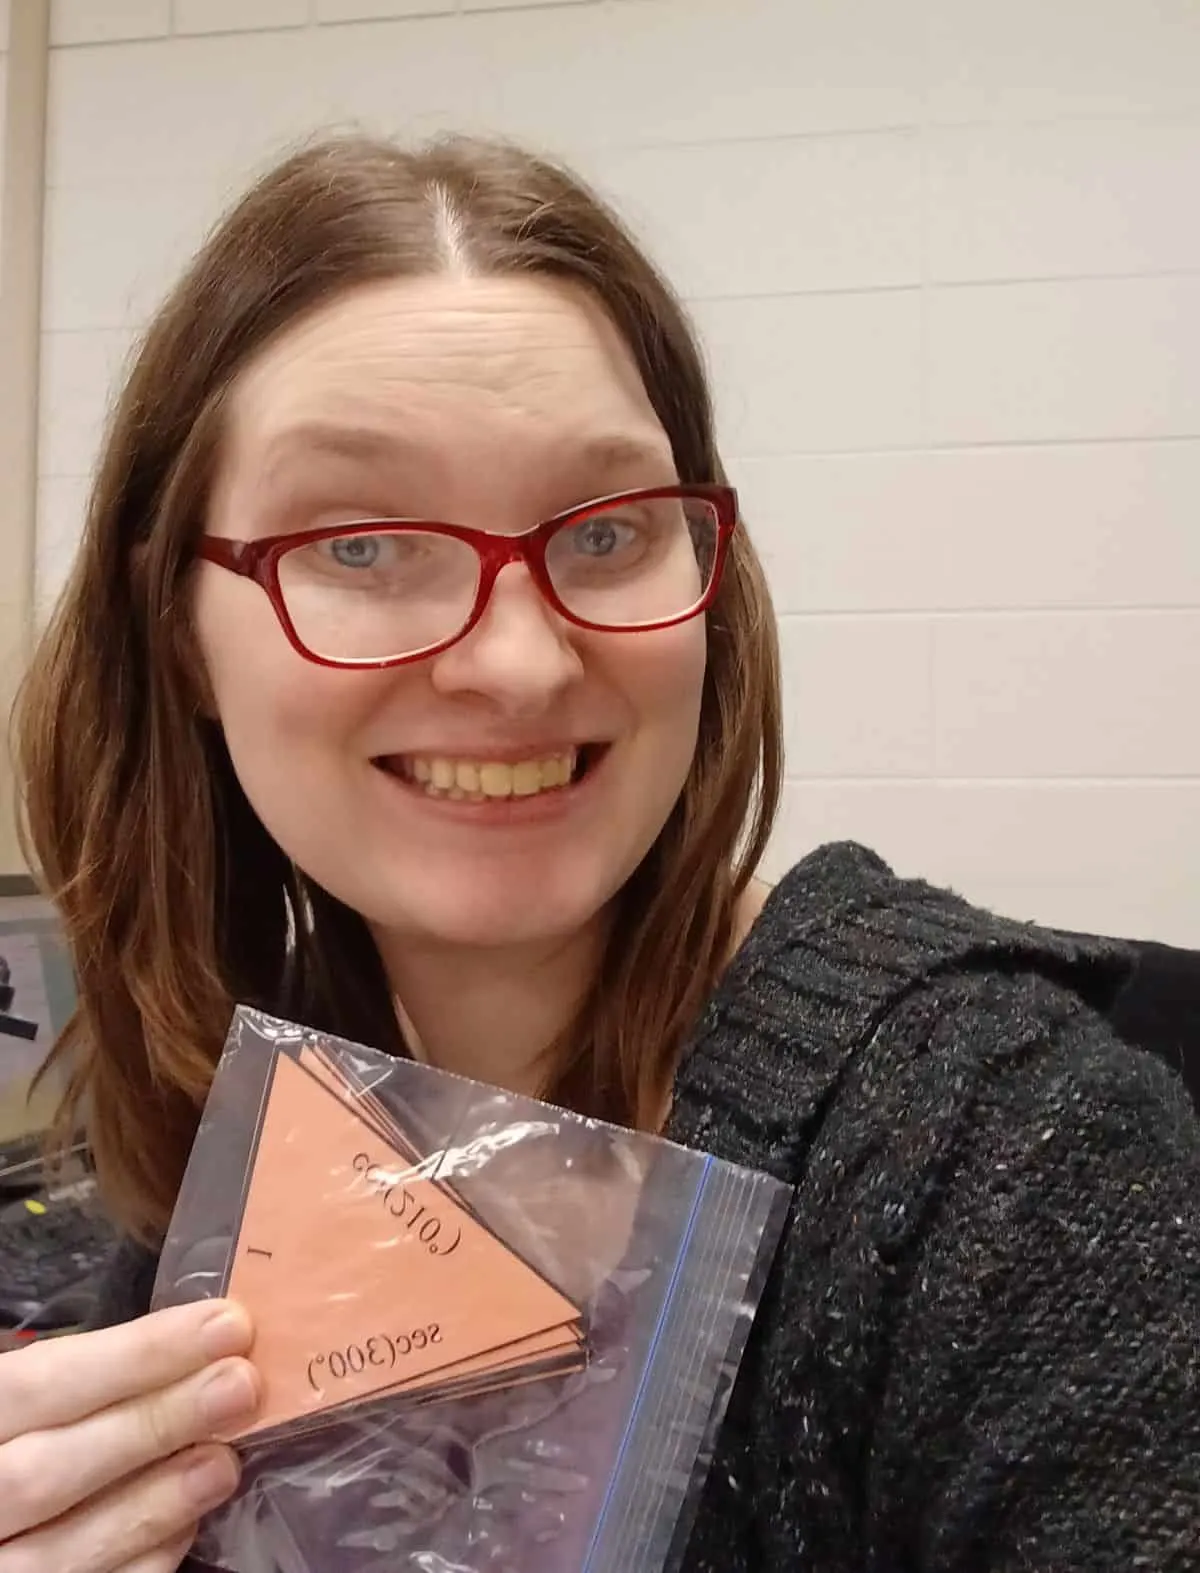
21	229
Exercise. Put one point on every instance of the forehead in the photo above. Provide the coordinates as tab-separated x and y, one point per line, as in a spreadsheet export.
427	361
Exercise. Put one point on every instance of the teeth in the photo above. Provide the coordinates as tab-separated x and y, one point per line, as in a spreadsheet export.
527	778
557	772
495	780
460	779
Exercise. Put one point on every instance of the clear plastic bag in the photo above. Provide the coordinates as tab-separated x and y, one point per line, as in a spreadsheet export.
496	1337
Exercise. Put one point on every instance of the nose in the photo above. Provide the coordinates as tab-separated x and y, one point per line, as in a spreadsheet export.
519	655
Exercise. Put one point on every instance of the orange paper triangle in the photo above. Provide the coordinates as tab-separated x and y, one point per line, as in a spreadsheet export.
363	1275
367	1105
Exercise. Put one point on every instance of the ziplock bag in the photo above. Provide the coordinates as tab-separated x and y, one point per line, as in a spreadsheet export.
494	1336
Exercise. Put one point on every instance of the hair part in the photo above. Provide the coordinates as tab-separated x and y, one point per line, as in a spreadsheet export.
176	902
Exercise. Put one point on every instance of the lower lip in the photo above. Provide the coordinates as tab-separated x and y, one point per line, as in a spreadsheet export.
538	808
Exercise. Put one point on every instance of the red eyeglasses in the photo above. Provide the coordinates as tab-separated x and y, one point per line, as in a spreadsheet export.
382	592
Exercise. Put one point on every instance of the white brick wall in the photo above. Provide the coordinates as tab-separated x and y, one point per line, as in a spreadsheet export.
108	21
945	256
4	12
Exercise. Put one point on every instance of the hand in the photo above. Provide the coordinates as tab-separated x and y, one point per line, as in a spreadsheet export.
108	1450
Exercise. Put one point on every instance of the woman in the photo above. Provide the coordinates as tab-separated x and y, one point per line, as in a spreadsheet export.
505	770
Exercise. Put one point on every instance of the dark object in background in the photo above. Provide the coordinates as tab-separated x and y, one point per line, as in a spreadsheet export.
1159	1009
52	1249
13	1026
22	1166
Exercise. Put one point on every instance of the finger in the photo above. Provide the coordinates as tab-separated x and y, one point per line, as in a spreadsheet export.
163	1559
132	1523
58	1380
47	1473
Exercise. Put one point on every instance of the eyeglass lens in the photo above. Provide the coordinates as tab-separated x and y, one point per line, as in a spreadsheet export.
403	589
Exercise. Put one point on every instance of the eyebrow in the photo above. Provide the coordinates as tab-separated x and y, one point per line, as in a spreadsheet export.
605	455
356	443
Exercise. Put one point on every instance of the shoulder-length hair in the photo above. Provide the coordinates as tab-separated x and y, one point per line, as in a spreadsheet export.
176	902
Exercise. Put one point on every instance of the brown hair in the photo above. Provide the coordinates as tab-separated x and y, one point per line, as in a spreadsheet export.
175	900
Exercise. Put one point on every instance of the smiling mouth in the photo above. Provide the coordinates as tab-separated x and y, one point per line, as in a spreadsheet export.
490	780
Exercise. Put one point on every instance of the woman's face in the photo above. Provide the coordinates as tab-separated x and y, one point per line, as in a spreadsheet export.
494	403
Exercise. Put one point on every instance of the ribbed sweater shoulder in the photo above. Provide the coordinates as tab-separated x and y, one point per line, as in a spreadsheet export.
980	1345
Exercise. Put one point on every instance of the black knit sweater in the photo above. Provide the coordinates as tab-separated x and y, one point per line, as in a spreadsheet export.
979	1348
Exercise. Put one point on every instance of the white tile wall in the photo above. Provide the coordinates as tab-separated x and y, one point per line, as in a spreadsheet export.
184	109
62	506
225	16
1062	199
1080	695
108	21
1080	358
80	373
878	718
1027	60
3	90
1106	857
945	255
1064	525
367	10
515	5
712	214
816	372
699	71
129	264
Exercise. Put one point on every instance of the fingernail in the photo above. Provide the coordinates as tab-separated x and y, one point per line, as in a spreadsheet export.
211	1478
229	1394
226	1332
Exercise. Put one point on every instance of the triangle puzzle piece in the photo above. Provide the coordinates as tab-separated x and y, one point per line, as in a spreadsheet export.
362	1100
565	1342
370	1108
364	1275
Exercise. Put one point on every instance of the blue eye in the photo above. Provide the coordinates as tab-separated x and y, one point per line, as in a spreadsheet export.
355	551
601	537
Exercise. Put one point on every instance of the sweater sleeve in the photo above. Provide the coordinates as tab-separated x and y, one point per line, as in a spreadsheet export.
125	1285
1036	1366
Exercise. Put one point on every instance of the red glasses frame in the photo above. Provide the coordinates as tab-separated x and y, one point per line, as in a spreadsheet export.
259	560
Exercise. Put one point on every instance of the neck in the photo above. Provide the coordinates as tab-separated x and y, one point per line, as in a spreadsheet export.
489	1013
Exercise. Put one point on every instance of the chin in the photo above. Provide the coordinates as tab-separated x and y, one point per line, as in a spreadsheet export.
482	908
